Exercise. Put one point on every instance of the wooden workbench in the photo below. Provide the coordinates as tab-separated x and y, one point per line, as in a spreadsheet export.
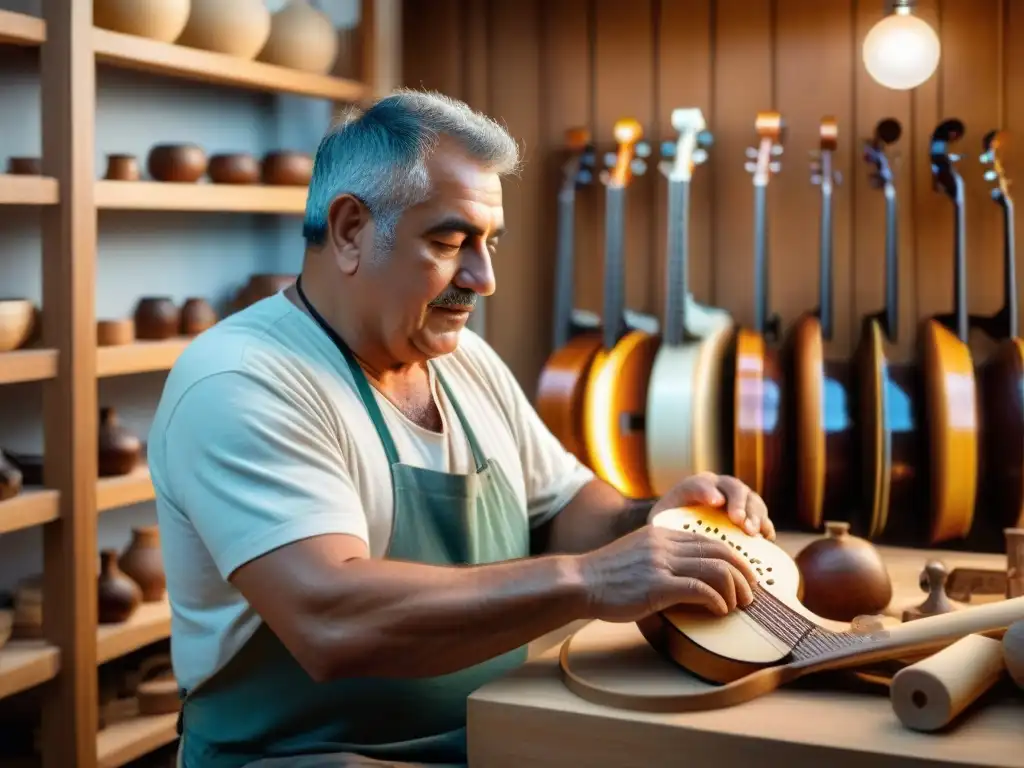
530	719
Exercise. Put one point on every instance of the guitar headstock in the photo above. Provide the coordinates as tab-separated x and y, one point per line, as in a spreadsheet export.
821	158
690	147
578	169
944	174
627	160
994	143
769	130
887	132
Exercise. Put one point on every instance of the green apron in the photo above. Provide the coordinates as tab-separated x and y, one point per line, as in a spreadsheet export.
262	704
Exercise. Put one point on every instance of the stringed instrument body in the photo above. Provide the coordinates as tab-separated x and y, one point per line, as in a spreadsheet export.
821	405
947	369
754	371
775	640
683	427
560	388
1001	377
615	397
887	392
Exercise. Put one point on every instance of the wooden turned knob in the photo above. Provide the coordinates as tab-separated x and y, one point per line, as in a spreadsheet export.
932	581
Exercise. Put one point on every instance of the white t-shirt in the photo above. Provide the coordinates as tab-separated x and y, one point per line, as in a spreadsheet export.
260	439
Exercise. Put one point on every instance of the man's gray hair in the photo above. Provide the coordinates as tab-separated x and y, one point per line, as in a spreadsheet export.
378	156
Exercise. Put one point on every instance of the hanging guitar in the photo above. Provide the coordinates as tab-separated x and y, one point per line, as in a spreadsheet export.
560	387
948	372
823	423
1001	378
888	391
754	381
683	396
615	398
773	641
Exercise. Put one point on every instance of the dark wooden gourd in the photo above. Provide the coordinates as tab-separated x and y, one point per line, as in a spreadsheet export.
119	449
10	479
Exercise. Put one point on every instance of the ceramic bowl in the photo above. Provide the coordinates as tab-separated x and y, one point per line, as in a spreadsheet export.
17	317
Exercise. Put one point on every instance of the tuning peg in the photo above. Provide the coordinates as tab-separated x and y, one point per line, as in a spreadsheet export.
774	167
991	175
752	153
837	178
996	193
668	149
642	149
705	139
816	178
588	159
666	167
815	166
609	159
585	176
699	156
954	158
605	177
638	167
776	150
987	156
750	167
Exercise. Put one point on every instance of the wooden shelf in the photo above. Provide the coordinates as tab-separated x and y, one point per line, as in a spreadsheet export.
30	507
131	52
21	29
27	365
28	190
139	357
150	623
129	740
25	664
123	491
224	198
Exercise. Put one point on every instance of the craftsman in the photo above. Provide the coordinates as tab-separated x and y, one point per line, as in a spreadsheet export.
363	518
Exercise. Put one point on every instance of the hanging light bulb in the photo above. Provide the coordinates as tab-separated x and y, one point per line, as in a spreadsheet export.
901	51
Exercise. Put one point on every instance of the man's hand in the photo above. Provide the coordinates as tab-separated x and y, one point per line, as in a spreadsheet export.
745	507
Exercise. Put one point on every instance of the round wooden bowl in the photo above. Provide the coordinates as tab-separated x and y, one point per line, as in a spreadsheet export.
17	317
156	318
181	163
238	168
287	169
114	333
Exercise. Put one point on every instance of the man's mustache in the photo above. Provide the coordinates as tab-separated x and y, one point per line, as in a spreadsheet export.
456	297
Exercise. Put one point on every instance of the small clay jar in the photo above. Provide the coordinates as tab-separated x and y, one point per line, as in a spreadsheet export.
843	576
287	169
25	166
143	563
156	318
122	168
196	316
238	168
259	287
180	163
10	479
119	596
119	449
114	333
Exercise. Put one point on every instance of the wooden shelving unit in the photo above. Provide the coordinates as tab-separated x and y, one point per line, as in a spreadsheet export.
68	360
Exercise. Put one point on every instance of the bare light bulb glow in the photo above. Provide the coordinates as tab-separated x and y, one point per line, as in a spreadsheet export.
901	51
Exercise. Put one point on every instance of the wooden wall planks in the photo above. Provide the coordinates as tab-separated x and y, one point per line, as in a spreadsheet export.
543	67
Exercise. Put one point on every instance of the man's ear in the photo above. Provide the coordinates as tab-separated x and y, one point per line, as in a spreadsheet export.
346	221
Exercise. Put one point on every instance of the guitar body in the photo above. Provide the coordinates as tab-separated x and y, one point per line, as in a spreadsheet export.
684	406
952	419
614	409
1001	383
560	391
876	459
823	424
756	414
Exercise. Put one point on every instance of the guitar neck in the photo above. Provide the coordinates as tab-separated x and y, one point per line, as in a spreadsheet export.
614	265
677	270
564	267
892	271
760	257
960	262
825	260
1009	270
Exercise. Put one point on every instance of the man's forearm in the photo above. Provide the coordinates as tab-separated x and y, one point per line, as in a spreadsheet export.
598	515
420	620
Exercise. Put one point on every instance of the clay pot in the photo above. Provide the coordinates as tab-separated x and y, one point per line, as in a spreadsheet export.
238	168
25	166
181	163
301	37
161	20
259	287
29	464
11	479
28	608
843	576
119	449
235	27
17	321
156	318
122	168
196	316
143	563
287	169
114	333
119	596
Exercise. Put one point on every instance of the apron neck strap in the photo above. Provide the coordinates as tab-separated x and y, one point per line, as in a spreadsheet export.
370	402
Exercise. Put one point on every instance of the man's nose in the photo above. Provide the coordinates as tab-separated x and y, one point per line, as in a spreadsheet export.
477	273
